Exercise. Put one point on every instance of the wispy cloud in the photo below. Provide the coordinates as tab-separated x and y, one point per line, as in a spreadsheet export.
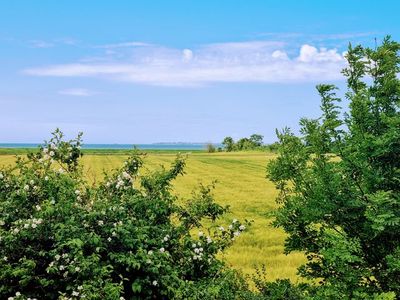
320	37
52	43
77	92
253	61
123	45
40	44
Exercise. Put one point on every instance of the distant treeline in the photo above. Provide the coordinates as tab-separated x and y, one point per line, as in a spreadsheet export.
254	142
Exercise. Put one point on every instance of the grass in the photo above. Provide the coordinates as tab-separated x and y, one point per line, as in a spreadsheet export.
241	184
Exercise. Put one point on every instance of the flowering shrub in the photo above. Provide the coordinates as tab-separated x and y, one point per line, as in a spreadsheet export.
126	238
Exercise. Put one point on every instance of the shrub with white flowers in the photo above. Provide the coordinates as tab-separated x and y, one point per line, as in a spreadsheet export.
125	238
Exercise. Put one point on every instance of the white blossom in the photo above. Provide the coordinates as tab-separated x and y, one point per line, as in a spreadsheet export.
162	250
26	187
155	283
46	178
1	176
51	153
201	233
242	227
101	223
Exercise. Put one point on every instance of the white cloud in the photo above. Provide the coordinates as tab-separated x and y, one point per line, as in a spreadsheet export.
278	54
123	45
52	43
187	54
254	61
311	54
77	92
41	44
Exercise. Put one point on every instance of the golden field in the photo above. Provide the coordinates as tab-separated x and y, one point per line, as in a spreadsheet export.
241	184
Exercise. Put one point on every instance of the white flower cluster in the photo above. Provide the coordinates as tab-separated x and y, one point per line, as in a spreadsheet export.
119	223
198	251
26	224
236	228
77	293
78	195
30	186
1	176
48	155
123	180
64	264
18	295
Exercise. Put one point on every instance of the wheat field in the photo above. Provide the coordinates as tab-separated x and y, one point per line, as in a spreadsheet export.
241	184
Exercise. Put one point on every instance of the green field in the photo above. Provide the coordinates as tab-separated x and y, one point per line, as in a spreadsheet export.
241	184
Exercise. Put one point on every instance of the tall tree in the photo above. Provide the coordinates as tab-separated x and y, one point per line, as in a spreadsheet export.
228	143
257	139
339	182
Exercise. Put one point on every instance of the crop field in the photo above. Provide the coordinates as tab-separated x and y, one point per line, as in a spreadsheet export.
241	184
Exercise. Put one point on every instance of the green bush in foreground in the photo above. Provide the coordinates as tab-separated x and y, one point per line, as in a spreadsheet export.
126	238
339	183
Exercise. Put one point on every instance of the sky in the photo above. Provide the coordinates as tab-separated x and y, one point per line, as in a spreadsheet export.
174	71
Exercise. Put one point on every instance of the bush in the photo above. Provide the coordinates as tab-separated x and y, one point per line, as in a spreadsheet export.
126	238
210	148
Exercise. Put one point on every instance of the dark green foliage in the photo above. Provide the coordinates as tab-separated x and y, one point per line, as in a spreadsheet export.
228	144
339	182
254	142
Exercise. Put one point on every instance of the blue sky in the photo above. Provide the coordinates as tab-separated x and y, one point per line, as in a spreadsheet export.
168	71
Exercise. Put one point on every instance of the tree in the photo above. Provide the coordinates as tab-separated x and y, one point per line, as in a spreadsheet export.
339	182
257	140
228	143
